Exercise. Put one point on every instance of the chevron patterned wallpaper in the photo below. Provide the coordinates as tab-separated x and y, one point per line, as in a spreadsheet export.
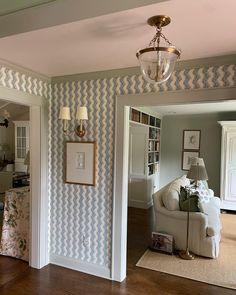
79	212
23	82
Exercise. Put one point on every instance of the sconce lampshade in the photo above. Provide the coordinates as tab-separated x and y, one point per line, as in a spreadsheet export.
82	113
64	113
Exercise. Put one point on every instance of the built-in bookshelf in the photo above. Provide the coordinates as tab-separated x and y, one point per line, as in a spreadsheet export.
154	125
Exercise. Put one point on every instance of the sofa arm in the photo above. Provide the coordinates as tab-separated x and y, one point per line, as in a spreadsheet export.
212	231
211	193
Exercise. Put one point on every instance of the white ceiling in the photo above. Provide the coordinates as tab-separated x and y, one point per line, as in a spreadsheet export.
200	28
193	108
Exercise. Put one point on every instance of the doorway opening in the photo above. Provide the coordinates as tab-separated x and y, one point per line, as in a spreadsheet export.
121	157
35	163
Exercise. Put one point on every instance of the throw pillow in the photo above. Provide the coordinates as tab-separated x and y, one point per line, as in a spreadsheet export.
193	201
171	200
203	191
185	180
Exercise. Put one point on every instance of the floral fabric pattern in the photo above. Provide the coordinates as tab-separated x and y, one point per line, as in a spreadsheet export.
15	228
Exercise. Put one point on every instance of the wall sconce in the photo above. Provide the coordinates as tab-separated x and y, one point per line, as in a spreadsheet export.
81	115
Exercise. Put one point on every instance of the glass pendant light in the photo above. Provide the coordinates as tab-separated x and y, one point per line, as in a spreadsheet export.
157	63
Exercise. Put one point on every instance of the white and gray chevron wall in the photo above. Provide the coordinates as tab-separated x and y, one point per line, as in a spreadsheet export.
13	79
78	211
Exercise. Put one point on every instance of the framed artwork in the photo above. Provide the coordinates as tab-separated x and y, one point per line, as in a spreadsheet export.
162	242
191	139
80	162
186	159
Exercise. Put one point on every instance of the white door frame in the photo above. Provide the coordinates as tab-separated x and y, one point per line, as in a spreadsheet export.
120	199
38	172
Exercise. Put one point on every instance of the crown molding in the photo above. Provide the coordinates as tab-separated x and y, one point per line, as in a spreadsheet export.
54	13
181	65
24	70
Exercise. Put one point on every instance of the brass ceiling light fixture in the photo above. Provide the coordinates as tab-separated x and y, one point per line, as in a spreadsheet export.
157	63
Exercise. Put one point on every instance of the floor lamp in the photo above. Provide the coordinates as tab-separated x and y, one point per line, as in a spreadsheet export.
196	172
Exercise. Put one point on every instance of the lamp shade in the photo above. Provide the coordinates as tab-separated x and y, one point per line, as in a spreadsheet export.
197	172
82	113
197	161
64	113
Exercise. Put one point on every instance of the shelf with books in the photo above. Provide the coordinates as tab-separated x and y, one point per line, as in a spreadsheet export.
154	129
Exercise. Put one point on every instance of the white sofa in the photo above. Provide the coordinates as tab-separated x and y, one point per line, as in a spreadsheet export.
204	233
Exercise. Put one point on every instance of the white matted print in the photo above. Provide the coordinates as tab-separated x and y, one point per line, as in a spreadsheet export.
186	159
80	162
191	140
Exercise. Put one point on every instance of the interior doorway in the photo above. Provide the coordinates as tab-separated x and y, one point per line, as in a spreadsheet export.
14	180
38	170
119	250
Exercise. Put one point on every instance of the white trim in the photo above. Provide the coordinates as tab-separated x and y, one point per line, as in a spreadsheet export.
79	265
38	170
24	70
119	230
228	128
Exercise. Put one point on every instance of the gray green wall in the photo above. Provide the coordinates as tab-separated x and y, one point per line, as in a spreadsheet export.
210	146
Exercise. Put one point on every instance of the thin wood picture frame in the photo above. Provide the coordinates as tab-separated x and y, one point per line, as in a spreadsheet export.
81	162
186	159
191	139
162	242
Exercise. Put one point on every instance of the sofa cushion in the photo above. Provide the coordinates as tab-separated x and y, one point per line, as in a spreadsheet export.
212	210
171	200
190	203
186	181
170	197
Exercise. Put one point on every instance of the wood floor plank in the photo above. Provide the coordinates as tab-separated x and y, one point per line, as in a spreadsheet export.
17	278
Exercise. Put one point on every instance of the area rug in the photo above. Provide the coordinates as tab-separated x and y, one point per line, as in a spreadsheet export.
220	271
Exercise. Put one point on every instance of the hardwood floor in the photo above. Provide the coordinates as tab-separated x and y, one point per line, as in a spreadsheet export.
19	279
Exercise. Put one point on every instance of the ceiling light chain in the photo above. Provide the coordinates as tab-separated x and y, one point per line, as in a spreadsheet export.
157	37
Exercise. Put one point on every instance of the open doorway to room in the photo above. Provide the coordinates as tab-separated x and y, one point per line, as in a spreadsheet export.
123	136
14	179
14	182
157	157
37	168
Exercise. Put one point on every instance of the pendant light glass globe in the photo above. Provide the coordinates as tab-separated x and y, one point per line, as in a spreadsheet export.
157	63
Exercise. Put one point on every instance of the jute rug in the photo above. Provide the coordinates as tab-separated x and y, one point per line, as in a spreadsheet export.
220	271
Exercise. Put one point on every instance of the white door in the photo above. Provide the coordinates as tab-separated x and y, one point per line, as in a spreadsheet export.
21	144
137	192
230	191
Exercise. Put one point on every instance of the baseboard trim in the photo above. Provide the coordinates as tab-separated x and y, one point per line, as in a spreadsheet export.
139	204
79	265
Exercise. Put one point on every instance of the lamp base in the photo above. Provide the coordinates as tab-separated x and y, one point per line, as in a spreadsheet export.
80	131
185	254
